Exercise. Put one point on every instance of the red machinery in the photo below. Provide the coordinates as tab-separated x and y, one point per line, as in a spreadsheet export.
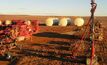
91	34
16	30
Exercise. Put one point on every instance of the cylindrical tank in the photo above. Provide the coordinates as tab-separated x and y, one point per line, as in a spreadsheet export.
28	22
51	21
0	22
79	22
65	22
8	22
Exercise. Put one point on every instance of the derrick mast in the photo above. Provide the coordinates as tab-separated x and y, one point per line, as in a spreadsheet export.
92	32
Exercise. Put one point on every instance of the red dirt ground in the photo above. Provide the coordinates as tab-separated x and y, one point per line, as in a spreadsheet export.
52	47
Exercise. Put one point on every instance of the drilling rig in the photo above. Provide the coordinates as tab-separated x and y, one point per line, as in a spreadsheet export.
93	32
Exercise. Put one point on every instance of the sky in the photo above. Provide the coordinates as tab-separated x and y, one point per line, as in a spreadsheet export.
52	7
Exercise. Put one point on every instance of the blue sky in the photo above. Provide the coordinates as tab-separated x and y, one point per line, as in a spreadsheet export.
52	7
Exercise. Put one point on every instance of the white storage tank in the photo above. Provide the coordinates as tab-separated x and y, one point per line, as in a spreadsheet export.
8	22
65	22
51	21
27	22
79	22
0	22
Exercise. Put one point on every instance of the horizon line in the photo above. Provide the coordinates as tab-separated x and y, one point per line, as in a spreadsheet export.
47	15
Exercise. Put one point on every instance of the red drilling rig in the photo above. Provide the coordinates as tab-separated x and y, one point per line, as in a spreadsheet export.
92	31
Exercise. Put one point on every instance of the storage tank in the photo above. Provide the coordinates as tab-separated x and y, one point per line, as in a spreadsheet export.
0	22
65	22
79	22
27	22
51	21
8	22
